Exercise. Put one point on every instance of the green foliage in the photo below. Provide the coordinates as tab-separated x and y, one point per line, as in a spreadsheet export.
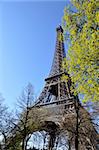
82	25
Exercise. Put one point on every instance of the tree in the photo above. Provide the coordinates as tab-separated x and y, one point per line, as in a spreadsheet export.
80	22
25	101
5	124
3	131
6	128
27	120
3	108
20	132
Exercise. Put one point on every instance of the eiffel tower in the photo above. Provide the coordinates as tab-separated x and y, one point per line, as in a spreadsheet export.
57	98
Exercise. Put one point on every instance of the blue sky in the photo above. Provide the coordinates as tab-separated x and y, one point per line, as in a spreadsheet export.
27	44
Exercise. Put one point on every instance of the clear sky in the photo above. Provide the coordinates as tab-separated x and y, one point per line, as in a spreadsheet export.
27	44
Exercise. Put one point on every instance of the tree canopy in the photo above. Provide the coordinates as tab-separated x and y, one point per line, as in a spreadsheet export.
81	24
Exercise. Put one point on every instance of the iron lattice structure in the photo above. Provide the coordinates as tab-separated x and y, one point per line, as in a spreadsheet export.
56	91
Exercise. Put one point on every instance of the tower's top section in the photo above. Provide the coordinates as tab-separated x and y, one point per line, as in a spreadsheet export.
59	29
59	54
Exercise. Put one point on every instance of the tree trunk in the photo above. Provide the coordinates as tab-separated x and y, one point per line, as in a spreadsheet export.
5	141
77	134
77	126
23	144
